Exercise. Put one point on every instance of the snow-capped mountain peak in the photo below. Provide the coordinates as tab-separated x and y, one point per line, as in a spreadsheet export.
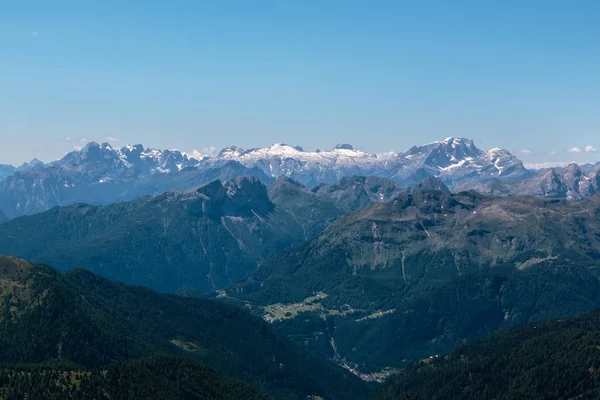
343	146
452	159
99	173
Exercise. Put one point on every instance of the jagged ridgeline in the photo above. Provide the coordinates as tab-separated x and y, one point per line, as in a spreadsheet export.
100	174
548	360
191	242
428	271
77	321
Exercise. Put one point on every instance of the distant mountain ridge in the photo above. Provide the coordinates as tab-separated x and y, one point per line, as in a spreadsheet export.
451	159
6	171
571	182
431	269
199	240
99	174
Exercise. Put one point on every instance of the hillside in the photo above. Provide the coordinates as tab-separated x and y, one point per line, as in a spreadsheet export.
548	360
356	192
158	377
322	204
90	322
190	242
104	181
430	270
200	240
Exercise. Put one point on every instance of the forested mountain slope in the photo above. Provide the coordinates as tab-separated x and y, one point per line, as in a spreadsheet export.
91	322
157	377
429	270
547	360
191	242
200	240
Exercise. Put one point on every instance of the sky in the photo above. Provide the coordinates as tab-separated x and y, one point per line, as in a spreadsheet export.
200	75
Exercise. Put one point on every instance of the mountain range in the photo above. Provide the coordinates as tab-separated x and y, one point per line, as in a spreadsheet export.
82	324
200	240
571	182
99	174
419	275
363	260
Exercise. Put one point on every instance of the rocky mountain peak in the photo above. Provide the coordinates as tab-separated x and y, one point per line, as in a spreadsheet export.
31	164
238	197
136	149
431	184
212	190
450	150
572	171
232	151
343	146
283	181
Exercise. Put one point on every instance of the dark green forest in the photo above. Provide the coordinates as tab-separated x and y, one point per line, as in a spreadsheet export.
551	360
91	323
433	270
157	377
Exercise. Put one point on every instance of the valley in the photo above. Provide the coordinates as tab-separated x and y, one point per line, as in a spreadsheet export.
299	200
429	271
363	273
60	323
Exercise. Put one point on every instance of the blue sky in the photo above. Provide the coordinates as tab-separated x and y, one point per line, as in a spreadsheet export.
382	75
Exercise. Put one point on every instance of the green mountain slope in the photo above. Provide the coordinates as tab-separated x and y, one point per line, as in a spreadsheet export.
158	377
91	322
430	270
311	212
201	240
357	192
189	242
547	360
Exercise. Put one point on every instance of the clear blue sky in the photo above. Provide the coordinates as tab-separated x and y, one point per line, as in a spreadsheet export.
382	75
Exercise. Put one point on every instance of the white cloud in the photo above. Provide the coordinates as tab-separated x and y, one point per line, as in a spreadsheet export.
547	164
210	151
196	155
574	150
387	155
111	139
82	140
526	152
77	148
589	149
